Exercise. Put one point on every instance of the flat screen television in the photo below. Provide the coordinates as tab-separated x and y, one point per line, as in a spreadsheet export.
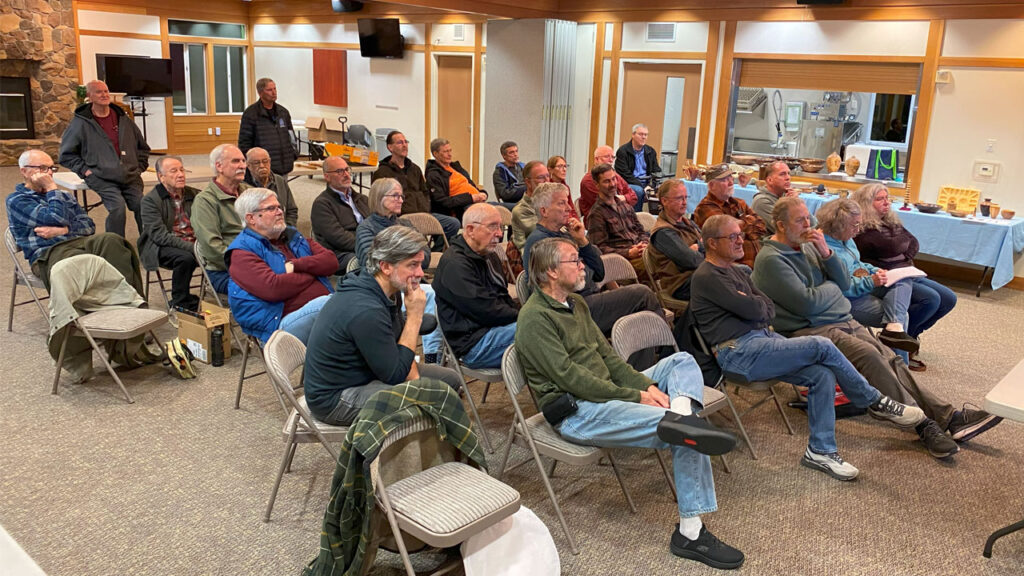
138	75
379	38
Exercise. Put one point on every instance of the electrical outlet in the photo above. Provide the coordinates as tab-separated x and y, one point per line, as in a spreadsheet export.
986	171
209	131
217	129
990	145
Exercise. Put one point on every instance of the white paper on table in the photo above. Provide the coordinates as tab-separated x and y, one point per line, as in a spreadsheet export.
896	274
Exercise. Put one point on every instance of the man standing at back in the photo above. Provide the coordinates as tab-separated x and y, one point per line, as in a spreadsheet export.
106	149
414	186
267	124
213	212
637	163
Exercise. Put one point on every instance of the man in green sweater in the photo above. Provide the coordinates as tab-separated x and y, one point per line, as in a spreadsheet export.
590	396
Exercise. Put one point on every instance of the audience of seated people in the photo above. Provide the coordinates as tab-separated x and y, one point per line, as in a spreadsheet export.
552	203
259	174
592	397
167	239
337	211
588	188
508	174
676	246
214	220
451	188
735	319
637	163
417	197
474	308
49	225
361	343
558	170
613	225
386	199
720	200
279	279
884	242
777	183
805	280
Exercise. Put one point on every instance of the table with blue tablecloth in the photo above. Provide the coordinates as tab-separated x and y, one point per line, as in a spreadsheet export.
990	243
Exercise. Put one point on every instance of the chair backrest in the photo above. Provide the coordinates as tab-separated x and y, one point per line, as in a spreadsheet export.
427	225
359	135
616	269
651	270
512	372
640	331
412	447
523	287
21	274
283	355
647	220
352	266
506	216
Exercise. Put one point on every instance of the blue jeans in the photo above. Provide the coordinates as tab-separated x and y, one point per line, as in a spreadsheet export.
810	361
640	197
619	424
449	224
432	341
299	323
487	352
929	302
219	279
884	305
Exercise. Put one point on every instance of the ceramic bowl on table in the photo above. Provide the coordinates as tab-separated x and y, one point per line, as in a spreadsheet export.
957	214
811	164
928	208
1008	214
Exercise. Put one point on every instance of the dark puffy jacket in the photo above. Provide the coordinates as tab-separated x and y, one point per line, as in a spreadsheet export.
271	130
437	182
85	146
417	199
625	162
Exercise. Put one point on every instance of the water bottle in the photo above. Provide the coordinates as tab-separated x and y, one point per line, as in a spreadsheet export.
217	345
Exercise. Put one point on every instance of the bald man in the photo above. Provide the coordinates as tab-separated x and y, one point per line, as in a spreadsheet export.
588	188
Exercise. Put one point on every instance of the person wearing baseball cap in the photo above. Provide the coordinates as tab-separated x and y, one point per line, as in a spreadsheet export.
721	201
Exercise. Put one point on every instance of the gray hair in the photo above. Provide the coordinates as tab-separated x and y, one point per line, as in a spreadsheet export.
254	151
783	207
637	126
835	216
865	198
714	225
393	245
91	85
161	160
248	202
380	188
436	144
544	256
506	145
544	195
26	157
217	154
262	83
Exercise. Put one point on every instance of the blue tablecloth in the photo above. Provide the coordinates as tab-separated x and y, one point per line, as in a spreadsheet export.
981	241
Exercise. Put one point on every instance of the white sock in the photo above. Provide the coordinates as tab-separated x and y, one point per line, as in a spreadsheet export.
681	405
894	327
690	527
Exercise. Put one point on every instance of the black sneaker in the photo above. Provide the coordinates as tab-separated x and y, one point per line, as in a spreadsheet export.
899	340
968	423
935	440
696	433
707	549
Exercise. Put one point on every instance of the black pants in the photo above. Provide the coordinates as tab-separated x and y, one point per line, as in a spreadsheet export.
182	264
118	199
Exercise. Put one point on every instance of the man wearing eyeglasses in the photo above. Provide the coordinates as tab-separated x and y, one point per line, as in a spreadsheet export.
637	163
259	174
524	217
49	225
278	277
338	210
721	201
676	247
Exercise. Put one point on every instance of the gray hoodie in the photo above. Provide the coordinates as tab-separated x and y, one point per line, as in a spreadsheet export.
85	146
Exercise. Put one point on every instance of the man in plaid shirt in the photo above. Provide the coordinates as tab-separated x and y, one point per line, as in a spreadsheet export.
49	225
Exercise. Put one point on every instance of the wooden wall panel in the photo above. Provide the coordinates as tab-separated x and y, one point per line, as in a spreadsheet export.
846	76
330	77
190	133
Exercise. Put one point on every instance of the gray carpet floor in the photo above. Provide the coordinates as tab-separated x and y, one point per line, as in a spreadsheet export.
177	482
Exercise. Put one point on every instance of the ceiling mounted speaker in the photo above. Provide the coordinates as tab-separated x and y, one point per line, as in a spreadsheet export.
346	5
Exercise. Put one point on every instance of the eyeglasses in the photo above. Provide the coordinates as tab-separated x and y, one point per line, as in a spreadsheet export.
575	261
270	209
338	171
50	169
399	196
673	199
732	237
561	166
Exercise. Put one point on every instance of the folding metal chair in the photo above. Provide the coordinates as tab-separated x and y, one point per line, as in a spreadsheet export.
485	375
23	277
431	228
668	302
617	269
543	440
647	220
222	302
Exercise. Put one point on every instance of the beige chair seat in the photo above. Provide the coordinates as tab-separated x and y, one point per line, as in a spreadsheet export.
551	444
303	428
121	323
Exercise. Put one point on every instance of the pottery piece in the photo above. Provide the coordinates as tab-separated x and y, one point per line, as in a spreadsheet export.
852	165
833	162
1008	214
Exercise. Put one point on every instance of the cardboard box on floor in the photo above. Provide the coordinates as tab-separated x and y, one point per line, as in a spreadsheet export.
197	333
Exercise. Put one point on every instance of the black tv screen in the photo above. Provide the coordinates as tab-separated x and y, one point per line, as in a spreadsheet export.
138	76
379	38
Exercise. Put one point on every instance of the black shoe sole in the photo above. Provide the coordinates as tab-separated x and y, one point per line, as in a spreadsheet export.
983	426
695	433
941	456
900	343
692	555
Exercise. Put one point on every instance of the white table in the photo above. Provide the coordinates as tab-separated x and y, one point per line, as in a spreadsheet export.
1006	400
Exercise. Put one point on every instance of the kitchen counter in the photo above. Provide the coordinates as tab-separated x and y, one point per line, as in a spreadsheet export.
851	181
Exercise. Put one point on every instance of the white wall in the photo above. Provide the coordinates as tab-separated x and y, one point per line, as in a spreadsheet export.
116	22
690	37
581	156
833	37
984	38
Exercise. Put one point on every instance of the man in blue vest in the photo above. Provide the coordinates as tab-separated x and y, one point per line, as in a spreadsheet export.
278	276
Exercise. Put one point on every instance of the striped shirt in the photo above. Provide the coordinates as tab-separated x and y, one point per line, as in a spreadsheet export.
27	209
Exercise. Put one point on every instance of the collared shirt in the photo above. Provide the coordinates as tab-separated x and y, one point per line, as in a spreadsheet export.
182	227
614	227
227	191
27	209
346	197
640	171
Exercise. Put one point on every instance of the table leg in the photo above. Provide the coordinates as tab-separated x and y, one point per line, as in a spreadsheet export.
85	200
984	272
999	534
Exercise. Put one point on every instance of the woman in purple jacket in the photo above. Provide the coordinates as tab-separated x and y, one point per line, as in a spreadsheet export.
885	243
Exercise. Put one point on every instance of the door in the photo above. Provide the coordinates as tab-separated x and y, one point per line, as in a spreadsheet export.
455	106
655	93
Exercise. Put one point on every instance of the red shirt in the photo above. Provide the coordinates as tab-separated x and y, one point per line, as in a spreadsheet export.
109	125
296	289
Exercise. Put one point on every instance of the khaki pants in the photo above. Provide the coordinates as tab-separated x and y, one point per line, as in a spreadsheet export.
881	367
111	247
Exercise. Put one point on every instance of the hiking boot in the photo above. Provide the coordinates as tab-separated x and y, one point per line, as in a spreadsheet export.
899	340
968	423
695	433
707	549
899	414
831	464
935	440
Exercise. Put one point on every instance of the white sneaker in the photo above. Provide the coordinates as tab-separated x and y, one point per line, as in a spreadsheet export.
831	464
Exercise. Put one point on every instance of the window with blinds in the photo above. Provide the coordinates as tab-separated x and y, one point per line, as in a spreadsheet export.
840	76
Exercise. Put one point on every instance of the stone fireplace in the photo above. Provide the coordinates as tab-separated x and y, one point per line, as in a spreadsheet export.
37	43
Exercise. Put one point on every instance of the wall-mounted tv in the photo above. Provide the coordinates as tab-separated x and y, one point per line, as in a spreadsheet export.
379	38
138	75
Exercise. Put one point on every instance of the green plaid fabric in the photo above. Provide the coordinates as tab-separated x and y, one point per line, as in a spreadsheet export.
348	520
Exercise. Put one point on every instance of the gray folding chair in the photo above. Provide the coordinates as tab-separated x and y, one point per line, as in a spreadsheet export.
644	330
443	503
617	269
284	354
220	299
23	277
668	302
523	287
543	440
647	220
739	382
431	228
485	375
253	343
